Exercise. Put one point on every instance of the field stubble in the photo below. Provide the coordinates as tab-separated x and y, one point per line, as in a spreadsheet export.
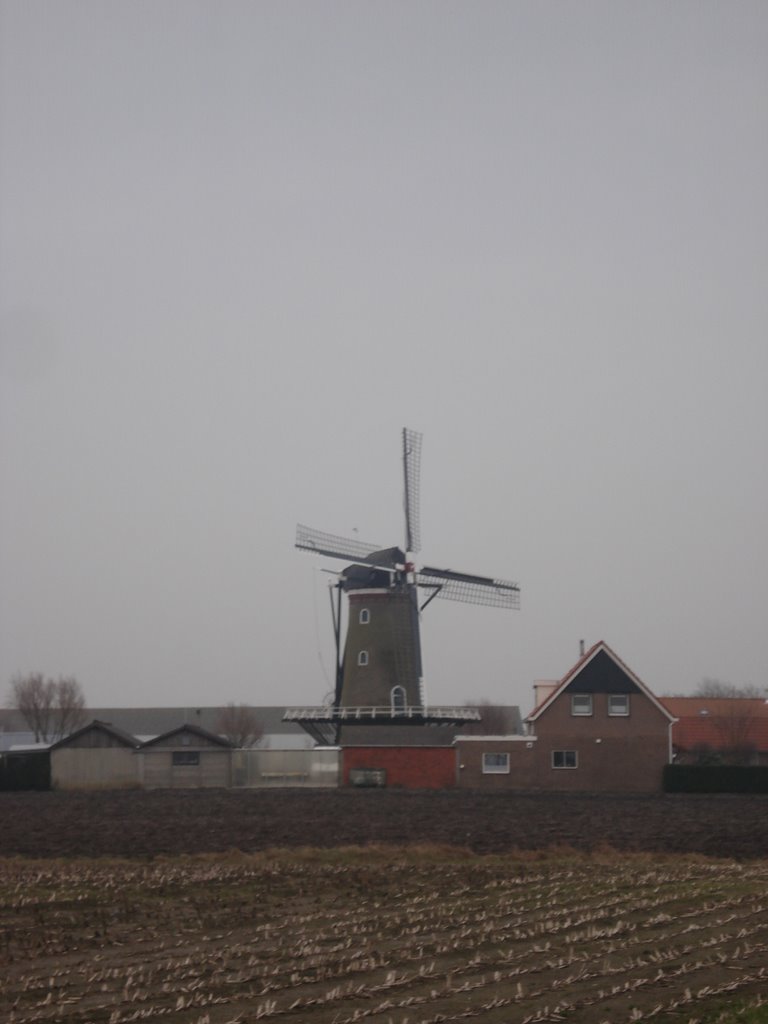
386	936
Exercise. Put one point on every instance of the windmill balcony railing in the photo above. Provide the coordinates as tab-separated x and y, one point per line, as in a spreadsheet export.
382	712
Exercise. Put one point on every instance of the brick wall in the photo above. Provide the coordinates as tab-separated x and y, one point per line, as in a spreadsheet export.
523	771
605	753
630	764
408	767
614	753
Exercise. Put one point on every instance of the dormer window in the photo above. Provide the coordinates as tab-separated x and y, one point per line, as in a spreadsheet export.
362	658
581	704
365	616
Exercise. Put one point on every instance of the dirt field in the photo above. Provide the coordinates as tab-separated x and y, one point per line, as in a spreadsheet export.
415	936
135	823
121	906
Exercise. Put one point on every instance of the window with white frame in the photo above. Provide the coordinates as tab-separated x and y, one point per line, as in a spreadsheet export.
365	616
618	704
565	759
581	704
495	764
362	658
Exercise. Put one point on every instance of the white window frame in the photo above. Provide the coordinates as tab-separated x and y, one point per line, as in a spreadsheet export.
398	700
585	712
501	767
364	617
362	658
564	756
615	713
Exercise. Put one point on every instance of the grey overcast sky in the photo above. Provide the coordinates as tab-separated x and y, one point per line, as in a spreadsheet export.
243	243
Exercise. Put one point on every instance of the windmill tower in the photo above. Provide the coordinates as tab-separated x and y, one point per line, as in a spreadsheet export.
379	670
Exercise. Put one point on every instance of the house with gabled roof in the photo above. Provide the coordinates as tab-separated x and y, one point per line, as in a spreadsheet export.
598	729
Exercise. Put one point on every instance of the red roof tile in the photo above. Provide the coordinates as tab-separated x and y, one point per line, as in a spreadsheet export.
719	723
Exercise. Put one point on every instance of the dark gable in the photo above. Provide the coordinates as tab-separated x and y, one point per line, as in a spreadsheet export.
602	675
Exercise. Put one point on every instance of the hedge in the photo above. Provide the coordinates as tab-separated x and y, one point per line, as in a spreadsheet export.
715	778
25	770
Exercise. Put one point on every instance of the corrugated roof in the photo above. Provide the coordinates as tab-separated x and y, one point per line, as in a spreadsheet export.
125	738
12	740
155	721
189	729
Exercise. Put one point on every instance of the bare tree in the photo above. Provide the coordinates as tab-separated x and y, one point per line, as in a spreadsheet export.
69	707
33	696
735	724
495	719
241	725
52	708
716	688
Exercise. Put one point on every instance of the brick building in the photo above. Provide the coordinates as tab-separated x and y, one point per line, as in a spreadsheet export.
597	729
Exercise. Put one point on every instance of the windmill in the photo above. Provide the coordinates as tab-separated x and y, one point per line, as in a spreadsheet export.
379	672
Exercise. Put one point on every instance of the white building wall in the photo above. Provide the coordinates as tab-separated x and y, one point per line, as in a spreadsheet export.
317	768
94	768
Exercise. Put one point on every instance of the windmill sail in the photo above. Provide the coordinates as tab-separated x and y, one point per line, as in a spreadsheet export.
461	586
333	546
412	474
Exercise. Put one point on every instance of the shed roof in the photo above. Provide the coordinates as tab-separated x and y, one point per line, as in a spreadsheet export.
189	730
123	738
152	721
18	738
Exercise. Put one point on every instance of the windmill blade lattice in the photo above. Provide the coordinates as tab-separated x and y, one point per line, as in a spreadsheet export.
412	473
331	545
461	586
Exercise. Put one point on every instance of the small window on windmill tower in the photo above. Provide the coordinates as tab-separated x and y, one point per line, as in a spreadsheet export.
397	700
362	658
365	616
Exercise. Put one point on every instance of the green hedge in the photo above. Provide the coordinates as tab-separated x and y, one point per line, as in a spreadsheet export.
715	778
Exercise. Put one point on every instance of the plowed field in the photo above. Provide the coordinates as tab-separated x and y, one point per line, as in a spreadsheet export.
136	823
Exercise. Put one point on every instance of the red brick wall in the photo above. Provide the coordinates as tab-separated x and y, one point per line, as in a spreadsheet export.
614	753
409	767
523	764
644	719
631	764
